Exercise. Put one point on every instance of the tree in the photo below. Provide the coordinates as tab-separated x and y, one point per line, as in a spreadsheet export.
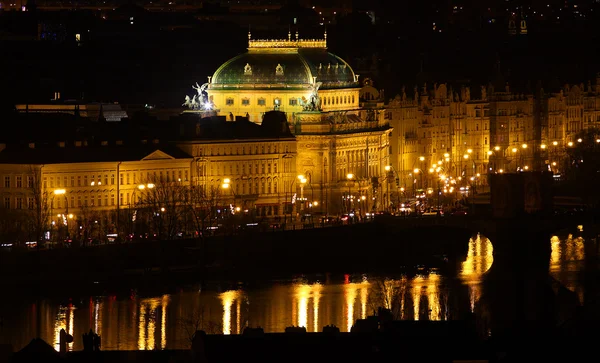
39	213
201	205
163	206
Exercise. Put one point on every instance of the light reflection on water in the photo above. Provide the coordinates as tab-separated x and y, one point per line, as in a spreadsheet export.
165	321
566	260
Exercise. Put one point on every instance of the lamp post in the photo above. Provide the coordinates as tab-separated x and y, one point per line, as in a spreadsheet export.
141	188
65	216
349	177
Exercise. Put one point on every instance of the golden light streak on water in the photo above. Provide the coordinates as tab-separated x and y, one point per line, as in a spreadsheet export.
416	295
350	292
433	297
147	323
556	250
238	312
302	293
163	322
98	314
316	291
364	297
59	323
479	259
227	300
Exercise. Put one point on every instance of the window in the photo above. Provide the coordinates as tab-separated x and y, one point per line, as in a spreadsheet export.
293	101
121	179
245	102
85	181
30	182
277	102
275	187
19	182
121	199
262	102
19	203
7	202
229	102
72	181
79	201
29	203
112	199
112	179
72	202
105	179
7	181
99	200
106	199
274	167
78	181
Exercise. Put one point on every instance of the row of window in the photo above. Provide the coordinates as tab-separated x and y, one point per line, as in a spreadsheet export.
19	203
99	180
245	169
243	150
18	181
327	100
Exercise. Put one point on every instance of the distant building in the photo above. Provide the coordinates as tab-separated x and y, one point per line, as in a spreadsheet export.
94	111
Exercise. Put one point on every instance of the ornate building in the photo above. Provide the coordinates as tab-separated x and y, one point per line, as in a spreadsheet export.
443	131
341	148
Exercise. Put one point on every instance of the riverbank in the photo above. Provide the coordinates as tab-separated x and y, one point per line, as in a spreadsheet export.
372	247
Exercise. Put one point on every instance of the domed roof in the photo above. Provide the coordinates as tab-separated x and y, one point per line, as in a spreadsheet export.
284	64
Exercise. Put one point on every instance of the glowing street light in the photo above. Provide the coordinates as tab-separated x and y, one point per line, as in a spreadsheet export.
497	148
59	191
421	158
554	143
524	146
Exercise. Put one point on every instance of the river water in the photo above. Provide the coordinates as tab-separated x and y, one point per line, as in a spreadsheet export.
165	321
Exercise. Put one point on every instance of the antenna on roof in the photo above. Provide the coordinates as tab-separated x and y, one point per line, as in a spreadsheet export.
289	33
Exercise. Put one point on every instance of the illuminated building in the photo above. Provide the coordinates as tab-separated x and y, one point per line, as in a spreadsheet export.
499	130
319	93
258	160
85	184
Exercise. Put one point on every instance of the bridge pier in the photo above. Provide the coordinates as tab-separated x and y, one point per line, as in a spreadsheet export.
518	295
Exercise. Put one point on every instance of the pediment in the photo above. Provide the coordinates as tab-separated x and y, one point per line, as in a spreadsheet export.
158	155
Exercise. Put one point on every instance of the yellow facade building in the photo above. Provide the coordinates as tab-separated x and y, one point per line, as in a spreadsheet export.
448	132
81	188
342	149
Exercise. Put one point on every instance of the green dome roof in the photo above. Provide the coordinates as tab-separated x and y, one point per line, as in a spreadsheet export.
284	69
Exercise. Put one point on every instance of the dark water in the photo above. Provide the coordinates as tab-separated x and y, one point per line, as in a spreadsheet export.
133	321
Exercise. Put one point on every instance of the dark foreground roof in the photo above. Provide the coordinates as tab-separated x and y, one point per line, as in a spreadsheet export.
274	126
18	154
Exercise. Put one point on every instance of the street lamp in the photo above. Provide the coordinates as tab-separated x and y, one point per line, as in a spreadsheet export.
65	216
349	177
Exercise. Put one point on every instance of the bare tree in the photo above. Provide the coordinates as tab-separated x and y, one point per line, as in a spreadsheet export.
388	294
197	321
201	205
164	205
39	216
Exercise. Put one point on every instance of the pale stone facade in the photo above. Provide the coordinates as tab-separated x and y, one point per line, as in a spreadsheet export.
499	131
319	93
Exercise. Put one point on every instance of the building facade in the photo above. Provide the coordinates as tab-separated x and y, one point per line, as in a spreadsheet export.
441	131
341	148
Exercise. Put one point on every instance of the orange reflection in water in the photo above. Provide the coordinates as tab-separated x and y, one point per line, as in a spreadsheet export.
479	259
227	300
65	319
149	323
566	259
302	309
427	287
351	291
